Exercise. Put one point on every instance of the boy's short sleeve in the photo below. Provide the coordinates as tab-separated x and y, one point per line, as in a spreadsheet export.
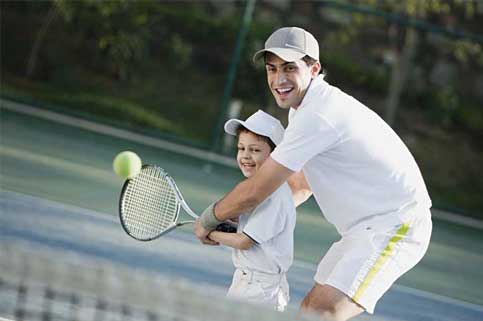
265	221
307	135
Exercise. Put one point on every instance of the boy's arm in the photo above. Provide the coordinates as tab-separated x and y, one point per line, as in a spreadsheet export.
235	240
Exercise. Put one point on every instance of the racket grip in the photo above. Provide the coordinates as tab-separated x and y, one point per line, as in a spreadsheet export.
226	227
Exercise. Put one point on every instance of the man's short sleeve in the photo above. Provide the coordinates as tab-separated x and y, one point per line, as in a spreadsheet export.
307	135
265	221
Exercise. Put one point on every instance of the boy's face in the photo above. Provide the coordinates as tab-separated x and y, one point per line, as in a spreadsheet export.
252	152
288	81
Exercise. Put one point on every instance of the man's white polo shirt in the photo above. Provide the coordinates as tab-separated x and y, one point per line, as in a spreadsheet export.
356	165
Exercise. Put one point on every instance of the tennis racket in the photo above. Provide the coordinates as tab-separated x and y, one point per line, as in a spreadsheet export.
150	204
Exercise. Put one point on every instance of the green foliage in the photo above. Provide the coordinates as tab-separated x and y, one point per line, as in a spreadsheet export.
343	70
470	115
119	30
449	108
181	52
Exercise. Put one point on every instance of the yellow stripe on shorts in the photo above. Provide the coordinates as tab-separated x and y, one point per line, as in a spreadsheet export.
385	255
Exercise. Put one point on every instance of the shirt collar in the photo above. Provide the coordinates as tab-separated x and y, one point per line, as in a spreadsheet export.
317	82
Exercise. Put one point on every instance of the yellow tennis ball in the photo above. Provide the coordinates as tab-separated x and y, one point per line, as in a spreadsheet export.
127	164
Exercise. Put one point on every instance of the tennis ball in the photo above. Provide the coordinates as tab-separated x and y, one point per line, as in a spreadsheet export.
127	164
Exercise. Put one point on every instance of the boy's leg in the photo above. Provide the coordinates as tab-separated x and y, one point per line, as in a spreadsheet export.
330	304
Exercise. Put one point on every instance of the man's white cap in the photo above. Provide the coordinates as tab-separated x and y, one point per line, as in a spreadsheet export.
260	123
290	44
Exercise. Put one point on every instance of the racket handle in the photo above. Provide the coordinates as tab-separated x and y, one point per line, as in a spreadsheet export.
226	227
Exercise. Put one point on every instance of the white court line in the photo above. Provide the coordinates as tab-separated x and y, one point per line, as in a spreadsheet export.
116	132
61	206
176	148
438	297
458	219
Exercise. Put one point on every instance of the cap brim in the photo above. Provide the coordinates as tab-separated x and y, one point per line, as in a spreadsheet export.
286	54
232	125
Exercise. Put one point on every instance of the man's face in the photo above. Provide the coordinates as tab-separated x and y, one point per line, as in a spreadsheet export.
289	81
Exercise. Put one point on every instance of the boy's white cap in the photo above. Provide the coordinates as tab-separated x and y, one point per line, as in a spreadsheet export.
260	123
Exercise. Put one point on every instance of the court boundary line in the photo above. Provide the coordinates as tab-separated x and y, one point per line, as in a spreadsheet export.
117	132
177	148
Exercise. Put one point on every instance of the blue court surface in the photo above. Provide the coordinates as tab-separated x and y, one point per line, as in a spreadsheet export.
71	231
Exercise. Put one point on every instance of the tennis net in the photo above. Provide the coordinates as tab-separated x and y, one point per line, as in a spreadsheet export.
42	284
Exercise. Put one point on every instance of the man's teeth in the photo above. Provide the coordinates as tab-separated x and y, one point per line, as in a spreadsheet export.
284	90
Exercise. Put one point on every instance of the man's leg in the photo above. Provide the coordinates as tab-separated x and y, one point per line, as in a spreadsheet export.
330	304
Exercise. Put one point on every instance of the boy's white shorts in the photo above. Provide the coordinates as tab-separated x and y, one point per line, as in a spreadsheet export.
368	260
260	288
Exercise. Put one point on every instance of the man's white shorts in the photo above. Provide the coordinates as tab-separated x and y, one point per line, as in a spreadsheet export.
367	261
260	288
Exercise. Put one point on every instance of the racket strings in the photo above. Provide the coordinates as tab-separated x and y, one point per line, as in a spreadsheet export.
150	205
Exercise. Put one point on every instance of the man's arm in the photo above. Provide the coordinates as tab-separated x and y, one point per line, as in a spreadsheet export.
301	190
247	195
252	191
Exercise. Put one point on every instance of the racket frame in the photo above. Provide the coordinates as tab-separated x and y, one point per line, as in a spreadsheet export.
180	203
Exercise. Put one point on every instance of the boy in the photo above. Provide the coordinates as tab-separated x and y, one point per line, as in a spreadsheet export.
263	244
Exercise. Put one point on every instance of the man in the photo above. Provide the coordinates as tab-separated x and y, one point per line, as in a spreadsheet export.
363	177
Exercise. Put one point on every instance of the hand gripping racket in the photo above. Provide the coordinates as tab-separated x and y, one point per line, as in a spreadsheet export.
150	203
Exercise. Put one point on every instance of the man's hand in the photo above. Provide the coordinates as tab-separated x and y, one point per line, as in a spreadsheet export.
206	223
202	234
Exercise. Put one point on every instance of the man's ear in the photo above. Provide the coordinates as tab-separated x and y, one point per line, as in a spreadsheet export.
315	69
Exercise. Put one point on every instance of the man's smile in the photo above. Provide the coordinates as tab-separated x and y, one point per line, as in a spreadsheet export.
284	91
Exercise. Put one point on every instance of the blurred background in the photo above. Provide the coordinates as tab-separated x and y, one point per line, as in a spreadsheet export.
82	80
173	69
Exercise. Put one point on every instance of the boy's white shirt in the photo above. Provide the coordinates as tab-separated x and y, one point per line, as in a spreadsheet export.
271	225
356	165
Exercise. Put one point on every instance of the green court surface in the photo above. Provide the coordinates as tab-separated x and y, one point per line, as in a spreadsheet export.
73	166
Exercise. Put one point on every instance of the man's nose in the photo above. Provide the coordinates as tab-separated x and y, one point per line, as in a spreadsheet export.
281	78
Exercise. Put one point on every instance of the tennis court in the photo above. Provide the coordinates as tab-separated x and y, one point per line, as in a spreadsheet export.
58	218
